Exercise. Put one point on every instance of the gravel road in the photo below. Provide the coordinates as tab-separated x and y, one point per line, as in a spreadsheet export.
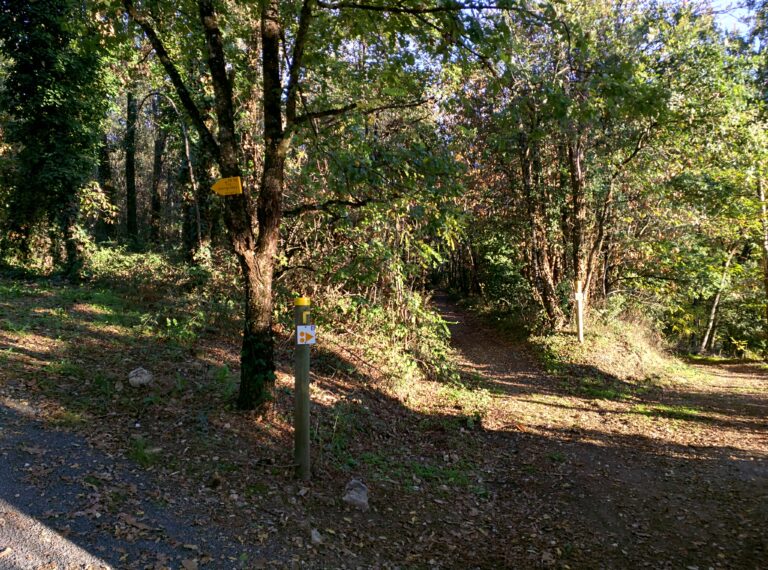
65	505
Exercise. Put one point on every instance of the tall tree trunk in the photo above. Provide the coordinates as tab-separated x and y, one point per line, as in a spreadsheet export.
106	227
130	168
258	342
716	301
541	274
73	246
196	199
255	252
161	136
578	197
764	223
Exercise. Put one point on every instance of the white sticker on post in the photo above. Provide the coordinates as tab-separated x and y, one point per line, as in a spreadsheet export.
305	334
579	296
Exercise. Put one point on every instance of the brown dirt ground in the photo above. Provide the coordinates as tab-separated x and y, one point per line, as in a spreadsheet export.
675	478
528	474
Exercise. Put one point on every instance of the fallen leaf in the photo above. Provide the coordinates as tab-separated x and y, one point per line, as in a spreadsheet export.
133	522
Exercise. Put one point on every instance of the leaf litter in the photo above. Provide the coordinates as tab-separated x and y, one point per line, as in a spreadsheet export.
540	478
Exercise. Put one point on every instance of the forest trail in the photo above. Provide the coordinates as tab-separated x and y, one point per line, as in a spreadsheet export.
513	467
673	475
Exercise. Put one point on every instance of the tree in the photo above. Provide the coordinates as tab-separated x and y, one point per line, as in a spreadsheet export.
129	145
55	99
297	97
562	127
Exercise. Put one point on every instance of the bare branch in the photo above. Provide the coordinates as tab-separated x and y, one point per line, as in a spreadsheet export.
280	273
323	207
296	61
352	106
325	113
181	89
408	105
642	139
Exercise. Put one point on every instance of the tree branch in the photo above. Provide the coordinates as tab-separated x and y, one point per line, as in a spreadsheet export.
639	145
408	105
656	277
222	90
323	207
281	272
461	43
181	89
296	61
352	106
325	113
399	9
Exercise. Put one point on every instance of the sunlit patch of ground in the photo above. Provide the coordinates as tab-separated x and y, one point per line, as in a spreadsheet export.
506	467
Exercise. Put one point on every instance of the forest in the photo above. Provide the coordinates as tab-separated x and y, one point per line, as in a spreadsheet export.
453	184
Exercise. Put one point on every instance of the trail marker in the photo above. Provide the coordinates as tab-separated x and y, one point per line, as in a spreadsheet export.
305	336
228	186
579	296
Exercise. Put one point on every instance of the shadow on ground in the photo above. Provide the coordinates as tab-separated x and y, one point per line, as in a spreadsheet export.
173	470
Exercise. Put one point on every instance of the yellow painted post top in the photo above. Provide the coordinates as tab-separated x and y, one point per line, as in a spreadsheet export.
578	286
301	302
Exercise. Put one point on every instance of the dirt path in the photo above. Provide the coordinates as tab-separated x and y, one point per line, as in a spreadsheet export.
677	478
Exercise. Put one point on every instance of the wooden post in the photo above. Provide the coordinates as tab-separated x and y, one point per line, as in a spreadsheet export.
301	391
580	311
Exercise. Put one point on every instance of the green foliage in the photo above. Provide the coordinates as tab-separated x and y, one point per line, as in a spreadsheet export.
335	437
141	453
66	368
404	340
104	385
665	411
186	298
408	472
55	99
473	402
224	382
663	109
622	357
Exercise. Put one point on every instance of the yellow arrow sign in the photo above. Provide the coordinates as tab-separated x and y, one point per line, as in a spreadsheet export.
305	334
228	186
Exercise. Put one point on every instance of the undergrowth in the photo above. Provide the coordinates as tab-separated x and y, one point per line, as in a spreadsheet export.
180	300
395	337
400	346
621	357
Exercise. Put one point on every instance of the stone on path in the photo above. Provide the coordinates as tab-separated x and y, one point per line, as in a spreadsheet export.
140	377
356	494
316	537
